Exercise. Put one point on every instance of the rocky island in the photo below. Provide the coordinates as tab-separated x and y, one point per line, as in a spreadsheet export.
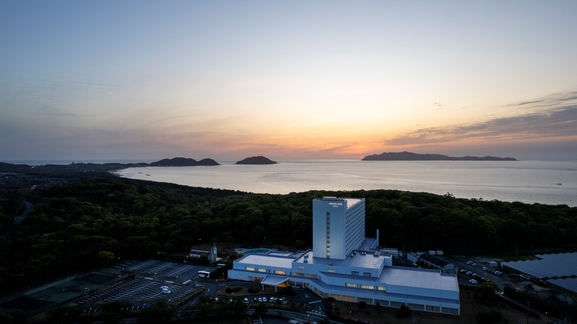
180	161
408	156
256	160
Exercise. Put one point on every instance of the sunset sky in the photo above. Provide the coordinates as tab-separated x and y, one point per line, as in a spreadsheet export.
98	80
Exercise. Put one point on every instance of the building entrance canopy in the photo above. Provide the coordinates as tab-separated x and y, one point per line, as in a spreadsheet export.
274	280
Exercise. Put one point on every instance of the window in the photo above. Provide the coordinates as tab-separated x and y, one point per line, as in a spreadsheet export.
280	272
331	270
352	285
366	274
249	268
298	274
367	287
308	275
382	288
355	273
301	267
261	270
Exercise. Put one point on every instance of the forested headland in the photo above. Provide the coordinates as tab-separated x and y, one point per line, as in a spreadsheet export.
94	222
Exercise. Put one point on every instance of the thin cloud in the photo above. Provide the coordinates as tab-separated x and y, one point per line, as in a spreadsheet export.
561	122
552	100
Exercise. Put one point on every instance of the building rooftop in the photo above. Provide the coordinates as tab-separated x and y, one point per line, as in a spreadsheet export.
350	201
419	278
549	266
433	259
268	260
359	260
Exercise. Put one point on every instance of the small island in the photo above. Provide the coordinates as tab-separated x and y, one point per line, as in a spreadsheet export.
181	161
256	160
408	156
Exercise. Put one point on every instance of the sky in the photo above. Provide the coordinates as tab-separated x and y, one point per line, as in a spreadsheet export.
145	80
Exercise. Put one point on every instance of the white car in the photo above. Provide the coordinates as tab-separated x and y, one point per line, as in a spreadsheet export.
473	281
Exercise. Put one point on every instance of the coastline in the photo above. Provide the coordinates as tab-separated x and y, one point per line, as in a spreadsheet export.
524	181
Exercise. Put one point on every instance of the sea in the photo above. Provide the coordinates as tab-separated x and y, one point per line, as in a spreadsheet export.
544	182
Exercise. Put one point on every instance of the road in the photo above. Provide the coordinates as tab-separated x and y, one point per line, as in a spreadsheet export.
18	219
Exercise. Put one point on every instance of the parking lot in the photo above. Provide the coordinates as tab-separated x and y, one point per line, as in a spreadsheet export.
473	269
151	280
132	282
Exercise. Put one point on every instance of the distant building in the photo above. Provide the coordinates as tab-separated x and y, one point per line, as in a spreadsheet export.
437	263
347	266
210	252
558	269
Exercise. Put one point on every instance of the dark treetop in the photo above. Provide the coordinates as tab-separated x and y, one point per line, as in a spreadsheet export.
256	160
408	156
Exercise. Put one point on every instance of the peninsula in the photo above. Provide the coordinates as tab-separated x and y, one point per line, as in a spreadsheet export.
408	156
256	160
180	161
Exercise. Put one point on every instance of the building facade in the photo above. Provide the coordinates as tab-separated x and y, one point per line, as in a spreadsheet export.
338	227
347	266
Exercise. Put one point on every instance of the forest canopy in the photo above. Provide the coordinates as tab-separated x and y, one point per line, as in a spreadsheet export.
96	221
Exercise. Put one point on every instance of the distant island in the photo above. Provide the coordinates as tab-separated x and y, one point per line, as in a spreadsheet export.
180	161
408	156
256	160
89	168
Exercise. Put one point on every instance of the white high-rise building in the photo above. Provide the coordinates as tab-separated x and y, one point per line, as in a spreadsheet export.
338	227
345	265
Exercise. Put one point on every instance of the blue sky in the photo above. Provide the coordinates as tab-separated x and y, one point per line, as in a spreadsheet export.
295	79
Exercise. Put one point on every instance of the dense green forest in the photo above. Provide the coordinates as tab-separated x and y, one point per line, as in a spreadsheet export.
96	221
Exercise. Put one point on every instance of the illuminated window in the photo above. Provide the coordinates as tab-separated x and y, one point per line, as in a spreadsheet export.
261	270
382	288
352	285
280	272
331	270
301	267
368	287
249	268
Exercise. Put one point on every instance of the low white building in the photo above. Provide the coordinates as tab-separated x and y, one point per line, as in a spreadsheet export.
210	252
362	274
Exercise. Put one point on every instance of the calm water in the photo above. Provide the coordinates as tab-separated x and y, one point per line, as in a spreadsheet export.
543	182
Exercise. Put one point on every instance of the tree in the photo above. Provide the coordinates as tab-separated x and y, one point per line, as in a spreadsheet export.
104	258
490	316
404	311
488	292
159	311
260	309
